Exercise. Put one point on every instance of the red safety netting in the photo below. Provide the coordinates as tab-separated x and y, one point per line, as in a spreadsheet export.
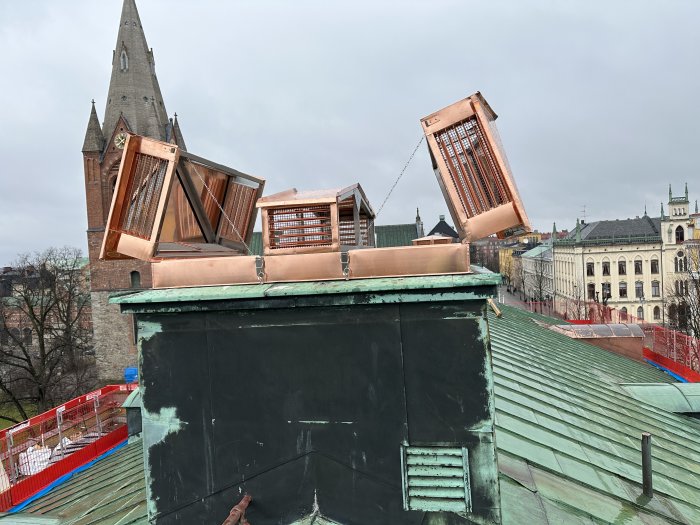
36	452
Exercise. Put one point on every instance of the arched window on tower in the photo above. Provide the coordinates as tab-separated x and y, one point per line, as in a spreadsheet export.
680	234
27	336
135	279
680	262
123	60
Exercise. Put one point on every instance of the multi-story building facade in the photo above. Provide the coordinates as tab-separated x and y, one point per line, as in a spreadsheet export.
538	273
632	265
134	105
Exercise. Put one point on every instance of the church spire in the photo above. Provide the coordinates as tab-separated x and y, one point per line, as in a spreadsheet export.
94	140
134	92
177	133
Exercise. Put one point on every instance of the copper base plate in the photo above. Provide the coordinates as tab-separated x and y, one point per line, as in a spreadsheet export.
361	264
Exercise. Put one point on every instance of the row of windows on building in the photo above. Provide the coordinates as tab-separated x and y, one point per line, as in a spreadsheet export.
680	264
25	336
622	267
606	290
640	313
680	287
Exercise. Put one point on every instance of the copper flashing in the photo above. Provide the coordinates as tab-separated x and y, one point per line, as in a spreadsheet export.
409	260
169	203
354	264
205	271
318	221
473	172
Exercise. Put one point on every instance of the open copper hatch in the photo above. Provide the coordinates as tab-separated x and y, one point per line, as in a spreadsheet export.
316	221
169	203
473	172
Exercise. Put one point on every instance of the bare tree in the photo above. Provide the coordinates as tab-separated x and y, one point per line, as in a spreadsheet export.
576	306
538	280
683	298
519	274
45	332
506	269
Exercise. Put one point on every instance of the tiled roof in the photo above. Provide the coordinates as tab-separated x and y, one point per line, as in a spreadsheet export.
568	440
543	250
442	228
395	235
641	226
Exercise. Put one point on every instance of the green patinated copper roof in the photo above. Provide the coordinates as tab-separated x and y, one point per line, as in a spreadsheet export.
568	438
256	246
683	398
395	235
396	285
568	435
111	492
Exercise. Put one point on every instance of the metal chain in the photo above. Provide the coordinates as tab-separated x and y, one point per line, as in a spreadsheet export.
219	206
400	175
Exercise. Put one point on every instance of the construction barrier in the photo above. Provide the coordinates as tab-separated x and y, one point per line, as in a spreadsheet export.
36	452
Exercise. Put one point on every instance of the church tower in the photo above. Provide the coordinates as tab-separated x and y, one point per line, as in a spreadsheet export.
134	105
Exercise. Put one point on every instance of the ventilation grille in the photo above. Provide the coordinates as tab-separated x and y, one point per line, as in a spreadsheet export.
143	195
240	209
347	232
300	227
475	173
436	479
346	225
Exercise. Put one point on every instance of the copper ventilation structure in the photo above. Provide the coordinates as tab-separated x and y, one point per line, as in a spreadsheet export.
473	172
169	203
296	222
194	218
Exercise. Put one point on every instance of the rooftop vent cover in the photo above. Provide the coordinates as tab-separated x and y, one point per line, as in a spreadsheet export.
436	479
170	203
316	221
472	170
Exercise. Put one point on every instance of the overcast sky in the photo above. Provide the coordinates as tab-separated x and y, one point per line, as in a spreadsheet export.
597	101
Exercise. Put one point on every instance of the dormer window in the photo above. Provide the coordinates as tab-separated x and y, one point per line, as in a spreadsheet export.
123	60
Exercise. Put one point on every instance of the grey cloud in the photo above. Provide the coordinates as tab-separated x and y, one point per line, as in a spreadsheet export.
596	100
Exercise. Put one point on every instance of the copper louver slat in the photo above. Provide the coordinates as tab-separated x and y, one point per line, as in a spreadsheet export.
299	227
316	221
168	203
472	170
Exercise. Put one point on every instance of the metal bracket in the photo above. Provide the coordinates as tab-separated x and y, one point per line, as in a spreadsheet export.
260	269
345	264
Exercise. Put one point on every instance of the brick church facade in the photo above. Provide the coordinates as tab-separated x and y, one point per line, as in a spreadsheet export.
134	105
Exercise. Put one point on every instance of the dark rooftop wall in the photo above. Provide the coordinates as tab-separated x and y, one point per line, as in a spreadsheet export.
301	404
